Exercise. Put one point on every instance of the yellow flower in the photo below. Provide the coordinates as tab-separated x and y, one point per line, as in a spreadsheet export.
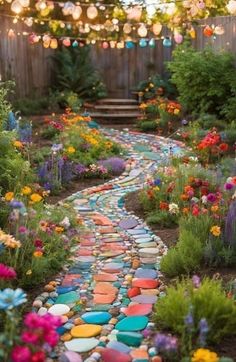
204	355
9	241
18	144
29	272
176	111
38	254
214	208
156	188
59	229
26	190
151	85
9	196
108	144
36	197
71	149
215	230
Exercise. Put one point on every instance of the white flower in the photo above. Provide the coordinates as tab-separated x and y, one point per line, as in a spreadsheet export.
65	222
229	180
173	208
204	199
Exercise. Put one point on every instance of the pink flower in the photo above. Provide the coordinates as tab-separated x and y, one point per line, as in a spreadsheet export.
38	357
228	186
22	229
38	243
51	338
32	320
29	337
21	354
7	272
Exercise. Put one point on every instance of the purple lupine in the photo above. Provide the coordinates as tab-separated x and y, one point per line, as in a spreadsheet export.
230	225
66	172
115	165
203	330
165	343
80	169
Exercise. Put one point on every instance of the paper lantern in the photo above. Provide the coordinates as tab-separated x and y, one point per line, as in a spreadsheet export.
127	28
134	13
170	9
142	43
33	38
11	33
120	45
129	44
178	38
219	30
66	42
45	12
105	45
208	31
92	12
68	8
77	11
24	3
142	31
231	7
16	7
75	44
192	33
167	43
152	43
54	43
40	5
156	28
112	44
29	22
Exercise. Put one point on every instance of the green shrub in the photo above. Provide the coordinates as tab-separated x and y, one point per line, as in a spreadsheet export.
5	106
204	79
209	301
185	257
150	87
146	126
162	218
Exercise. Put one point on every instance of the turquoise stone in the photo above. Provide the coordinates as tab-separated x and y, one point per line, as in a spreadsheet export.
67	298
96	317
134	323
130	338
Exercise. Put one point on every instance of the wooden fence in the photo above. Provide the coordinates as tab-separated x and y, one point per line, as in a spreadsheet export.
121	70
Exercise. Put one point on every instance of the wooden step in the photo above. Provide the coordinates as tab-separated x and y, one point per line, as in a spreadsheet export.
115	115
117	101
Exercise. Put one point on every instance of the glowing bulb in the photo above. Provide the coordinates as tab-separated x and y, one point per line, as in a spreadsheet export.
142	31
127	28
76	12
66	42
157	28
29	22
92	12
134	13
231	7
16	7
105	45
219	30
54	43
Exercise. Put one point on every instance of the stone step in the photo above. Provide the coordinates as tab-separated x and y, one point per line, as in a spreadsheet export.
117	107
117	101
115	115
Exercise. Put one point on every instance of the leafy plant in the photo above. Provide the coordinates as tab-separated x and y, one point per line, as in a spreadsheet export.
74	72
147	125
207	301
204	79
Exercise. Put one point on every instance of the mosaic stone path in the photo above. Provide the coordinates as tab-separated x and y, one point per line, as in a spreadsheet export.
107	296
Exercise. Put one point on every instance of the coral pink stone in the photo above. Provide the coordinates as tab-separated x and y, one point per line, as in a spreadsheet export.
138	309
145	283
132	292
109	355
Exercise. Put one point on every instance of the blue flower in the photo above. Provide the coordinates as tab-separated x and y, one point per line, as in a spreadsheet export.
157	182
16	204
10	298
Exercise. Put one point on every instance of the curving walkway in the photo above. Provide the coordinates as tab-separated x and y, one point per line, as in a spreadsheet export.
109	292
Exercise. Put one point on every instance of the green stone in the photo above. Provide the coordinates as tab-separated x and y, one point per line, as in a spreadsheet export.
125	301
77	308
130	338
67	298
133	323
117	284
101	307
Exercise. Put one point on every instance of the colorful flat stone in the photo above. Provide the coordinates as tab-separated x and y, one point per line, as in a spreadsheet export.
86	331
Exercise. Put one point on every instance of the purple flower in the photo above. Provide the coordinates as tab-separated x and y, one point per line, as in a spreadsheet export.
16	204
157	182
184	122
230	225
196	281
189	322
114	165
165	343
228	186
57	147
211	197
80	169
203	330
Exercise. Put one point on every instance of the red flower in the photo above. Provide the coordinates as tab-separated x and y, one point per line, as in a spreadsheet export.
223	147
38	357
163	205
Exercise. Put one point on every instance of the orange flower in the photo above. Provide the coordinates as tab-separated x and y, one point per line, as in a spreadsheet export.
26	190
9	196
164	205
188	189
18	144
184	197
215	230
38	254
36	198
185	210
59	229
214	208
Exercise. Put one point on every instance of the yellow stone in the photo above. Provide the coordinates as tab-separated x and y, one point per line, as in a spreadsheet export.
66	337
86	331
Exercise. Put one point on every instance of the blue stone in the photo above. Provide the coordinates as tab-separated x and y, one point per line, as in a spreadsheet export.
63	290
134	323
119	346
146	273
96	317
61	330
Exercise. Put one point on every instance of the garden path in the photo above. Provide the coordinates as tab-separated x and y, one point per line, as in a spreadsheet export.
109	292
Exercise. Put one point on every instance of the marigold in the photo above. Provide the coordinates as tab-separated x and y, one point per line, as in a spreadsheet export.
38	254
9	196
36	198
214	208
18	144
59	229
164	205
215	230
71	149
204	355
26	190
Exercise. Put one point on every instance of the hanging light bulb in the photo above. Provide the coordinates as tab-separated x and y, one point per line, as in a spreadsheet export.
127	28
66	42
11	33
40	5
92	12
152	43
178	38
192	32
157	28
77	11
16	7
120	45
134	13
208	31
54	43
105	45
75	44
112	44
29	22
231	7
142	31
167	43
24	3
129	44
142	43
68	8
